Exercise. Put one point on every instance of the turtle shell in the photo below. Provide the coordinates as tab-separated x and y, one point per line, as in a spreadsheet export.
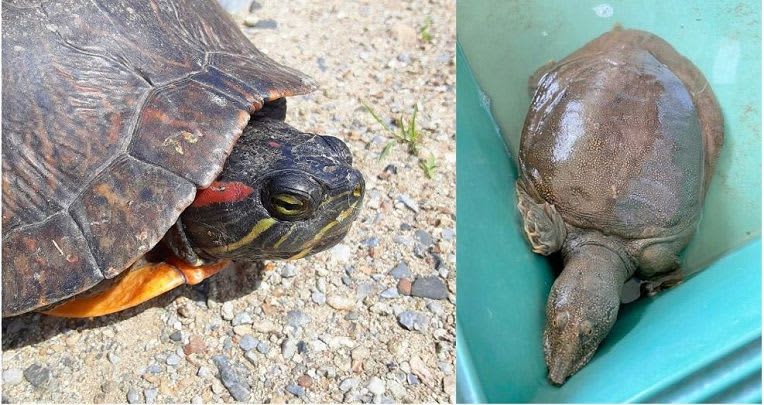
114	114
621	137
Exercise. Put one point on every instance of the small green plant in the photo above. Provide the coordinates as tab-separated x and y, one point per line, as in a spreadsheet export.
424	33
407	133
428	165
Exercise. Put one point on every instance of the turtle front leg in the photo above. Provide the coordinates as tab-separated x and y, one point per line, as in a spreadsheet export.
140	284
533	80
542	224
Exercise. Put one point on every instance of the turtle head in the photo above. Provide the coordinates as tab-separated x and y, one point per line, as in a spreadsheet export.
581	309
283	194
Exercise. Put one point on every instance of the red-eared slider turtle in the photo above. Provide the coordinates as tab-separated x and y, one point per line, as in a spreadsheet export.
127	123
616	156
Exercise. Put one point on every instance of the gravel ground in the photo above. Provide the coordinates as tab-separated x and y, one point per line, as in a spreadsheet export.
371	320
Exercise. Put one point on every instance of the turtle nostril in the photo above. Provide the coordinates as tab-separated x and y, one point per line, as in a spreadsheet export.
357	179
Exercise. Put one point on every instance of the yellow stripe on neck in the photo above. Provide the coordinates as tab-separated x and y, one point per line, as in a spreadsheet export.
283	238
260	227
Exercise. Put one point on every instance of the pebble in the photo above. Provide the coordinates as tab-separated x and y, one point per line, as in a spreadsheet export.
289	270
435	308
250	21
242	329
429	287
235	6
195	345
134	396
248	342
412	379
447	234
412	320
402	240
154	369
295	390
175	336
263	347
37	375
268	24
185	311
265	326
391	292
348	384
376	386
318	297
242	318
363	290
151	395
341	303
305	381
409	202
420	369
173	360
404	286
371	242
321	62
12	376
424	238
401	270
251	356
226	310
236	385
203	372
341	253
288	348
297	318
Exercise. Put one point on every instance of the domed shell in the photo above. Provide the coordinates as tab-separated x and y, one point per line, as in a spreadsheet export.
114	114
621	137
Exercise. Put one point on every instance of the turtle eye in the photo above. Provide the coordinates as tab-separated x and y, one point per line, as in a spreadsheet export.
288	206
586	328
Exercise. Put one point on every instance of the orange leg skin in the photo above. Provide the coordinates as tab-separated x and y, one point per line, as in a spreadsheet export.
138	286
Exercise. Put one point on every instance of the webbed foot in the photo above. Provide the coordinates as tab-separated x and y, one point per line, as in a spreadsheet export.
542	224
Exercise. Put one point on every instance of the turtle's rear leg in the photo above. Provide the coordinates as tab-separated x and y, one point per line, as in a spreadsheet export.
659	269
142	283
542	224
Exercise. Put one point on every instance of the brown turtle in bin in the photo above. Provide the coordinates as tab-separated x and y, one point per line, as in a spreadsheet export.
616	156
144	147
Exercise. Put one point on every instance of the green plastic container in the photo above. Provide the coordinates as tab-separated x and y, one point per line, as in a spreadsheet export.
699	342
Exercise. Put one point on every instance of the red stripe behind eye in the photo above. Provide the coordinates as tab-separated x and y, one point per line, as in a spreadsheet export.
221	192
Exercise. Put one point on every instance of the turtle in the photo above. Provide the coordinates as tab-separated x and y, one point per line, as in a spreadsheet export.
616	155
145	147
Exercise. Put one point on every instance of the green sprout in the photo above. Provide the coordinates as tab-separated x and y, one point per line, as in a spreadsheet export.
428	165
406	134
424	33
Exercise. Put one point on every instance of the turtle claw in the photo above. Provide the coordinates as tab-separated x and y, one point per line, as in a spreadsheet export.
542	224
649	288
